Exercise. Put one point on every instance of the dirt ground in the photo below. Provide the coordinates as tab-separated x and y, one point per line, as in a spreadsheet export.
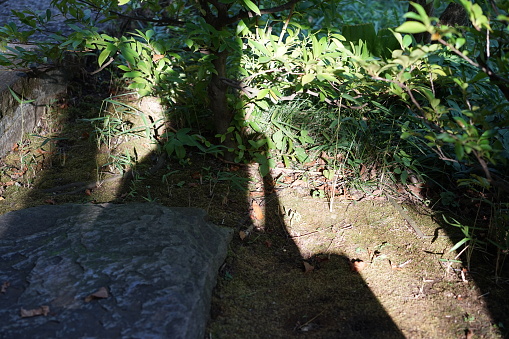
301	264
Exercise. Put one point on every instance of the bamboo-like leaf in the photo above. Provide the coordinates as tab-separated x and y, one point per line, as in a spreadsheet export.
249	4
103	56
18	99
411	27
307	78
459	243
262	94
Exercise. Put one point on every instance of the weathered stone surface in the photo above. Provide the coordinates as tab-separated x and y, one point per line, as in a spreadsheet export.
18	119
158	264
40	7
40	89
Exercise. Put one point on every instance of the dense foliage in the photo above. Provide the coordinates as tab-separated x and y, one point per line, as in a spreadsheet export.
293	80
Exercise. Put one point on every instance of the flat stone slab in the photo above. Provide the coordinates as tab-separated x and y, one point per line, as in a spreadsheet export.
108	271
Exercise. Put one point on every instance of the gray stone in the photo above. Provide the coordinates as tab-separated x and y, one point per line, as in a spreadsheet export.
158	264
57	24
17	119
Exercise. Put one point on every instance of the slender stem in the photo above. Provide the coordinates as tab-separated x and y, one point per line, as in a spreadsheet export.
283	31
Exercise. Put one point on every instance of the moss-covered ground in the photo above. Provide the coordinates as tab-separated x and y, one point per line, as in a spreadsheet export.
350	267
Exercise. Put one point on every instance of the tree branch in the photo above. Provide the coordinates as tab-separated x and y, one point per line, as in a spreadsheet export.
164	21
249	14
497	79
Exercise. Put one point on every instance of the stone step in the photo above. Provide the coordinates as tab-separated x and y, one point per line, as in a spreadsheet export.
17	119
35	94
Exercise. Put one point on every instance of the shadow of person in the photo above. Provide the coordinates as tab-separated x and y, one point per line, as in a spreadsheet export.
268	288
265	287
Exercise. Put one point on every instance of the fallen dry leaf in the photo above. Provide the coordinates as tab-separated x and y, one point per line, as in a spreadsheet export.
243	235
363	173
43	310
256	194
157	57
88	192
299	183
85	136
288	179
257	211
309	164
196	175
357	265
41	151
469	334
101	293
4	287
224	201
19	174
308	267
50	201
416	189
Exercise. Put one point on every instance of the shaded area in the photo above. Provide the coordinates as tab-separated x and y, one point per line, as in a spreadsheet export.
318	299
156	266
314	284
319	296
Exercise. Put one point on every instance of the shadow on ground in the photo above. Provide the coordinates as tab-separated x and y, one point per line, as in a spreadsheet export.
279	300
268	287
263	289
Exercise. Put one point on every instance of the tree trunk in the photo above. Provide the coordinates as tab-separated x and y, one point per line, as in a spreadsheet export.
217	90
454	14
217	94
430	9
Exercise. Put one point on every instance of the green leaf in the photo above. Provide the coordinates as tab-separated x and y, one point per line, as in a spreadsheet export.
129	54
459	150
301	155
411	27
307	78
102	57
259	47
278	140
18	99
407	41
262	104
264	60
133	74
405	135
262	94
326	76
329	174
242	28
122	2
422	12
124	68
458	244
149	34
249	4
